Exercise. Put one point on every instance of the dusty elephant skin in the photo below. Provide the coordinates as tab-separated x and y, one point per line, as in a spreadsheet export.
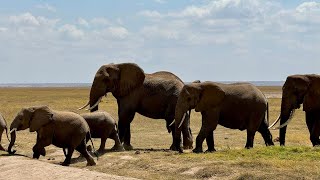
152	95
3	126
103	125
62	129
237	106
297	90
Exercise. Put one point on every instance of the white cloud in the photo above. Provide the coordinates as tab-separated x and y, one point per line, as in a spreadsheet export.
3	29
308	6
71	31
151	14
100	21
46	7
83	22
25	19
118	32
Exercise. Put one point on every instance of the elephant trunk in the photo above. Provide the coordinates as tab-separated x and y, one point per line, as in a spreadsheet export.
96	94
180	116
285	117
13	140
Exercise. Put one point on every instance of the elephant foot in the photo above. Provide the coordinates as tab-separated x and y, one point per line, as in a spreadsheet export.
65	163
248	147
12	151
118	148
91	163
197	150
36	155
210	150
174	148
127	147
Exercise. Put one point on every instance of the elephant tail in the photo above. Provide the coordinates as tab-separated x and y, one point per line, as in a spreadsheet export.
267	113
94	150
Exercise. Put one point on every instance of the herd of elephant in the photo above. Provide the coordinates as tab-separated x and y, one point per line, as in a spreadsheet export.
162	95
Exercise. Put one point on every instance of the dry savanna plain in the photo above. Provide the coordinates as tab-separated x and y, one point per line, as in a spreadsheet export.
151	158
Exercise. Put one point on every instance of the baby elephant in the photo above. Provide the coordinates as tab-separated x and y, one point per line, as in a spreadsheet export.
3	126
62	129
102	125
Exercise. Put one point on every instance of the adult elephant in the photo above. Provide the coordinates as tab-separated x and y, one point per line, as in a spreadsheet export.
152	95
296	90
236	106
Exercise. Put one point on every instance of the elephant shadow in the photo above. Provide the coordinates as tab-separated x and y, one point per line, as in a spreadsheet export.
7	155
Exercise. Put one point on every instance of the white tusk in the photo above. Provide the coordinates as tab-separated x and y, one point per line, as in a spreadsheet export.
14	129
95	105
84	106
287	122
275	122
184	115
172	122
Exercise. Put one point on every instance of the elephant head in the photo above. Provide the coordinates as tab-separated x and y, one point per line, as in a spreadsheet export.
296	90
119	79
33	118
198	96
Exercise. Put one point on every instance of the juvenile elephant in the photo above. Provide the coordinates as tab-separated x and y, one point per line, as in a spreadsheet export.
236	106
152	95
62	129
3	126
103	125
297	90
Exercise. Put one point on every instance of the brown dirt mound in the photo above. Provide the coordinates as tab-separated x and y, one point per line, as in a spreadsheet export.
17	168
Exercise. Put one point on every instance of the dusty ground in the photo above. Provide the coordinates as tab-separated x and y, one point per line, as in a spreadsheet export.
19	167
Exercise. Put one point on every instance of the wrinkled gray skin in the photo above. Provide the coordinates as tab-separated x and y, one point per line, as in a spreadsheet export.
151	95
237	106
62	129
103	125
3	126
297	90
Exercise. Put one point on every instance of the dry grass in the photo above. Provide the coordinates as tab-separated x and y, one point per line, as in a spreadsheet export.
152	160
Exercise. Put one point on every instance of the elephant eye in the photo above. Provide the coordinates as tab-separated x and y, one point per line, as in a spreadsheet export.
189	99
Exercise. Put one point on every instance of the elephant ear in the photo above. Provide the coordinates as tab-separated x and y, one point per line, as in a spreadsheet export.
311	99
41	116
211	96
131	77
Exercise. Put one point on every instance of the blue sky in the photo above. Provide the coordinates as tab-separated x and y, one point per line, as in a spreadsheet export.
221	40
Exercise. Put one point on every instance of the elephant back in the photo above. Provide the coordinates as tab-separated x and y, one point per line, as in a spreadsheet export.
70	122
164	82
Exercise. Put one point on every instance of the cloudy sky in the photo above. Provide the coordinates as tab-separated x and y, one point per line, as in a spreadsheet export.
221	40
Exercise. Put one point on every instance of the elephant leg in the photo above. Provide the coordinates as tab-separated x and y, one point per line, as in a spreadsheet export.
117	144
209	124
210	142
38	148
102	144
315	131
310	121
125	118
250	138
83	151
264	131
67	161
